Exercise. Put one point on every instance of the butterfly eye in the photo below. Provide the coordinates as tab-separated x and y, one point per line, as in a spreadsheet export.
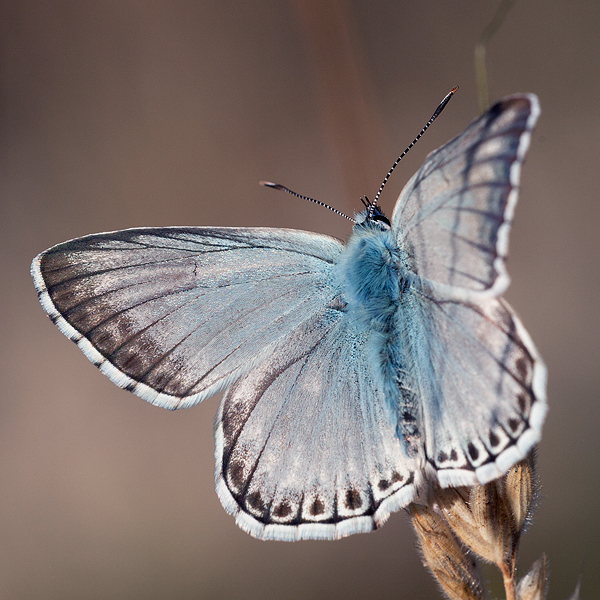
374	215
377	220
381	218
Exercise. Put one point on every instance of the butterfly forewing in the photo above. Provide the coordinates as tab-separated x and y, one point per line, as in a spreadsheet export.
176	314
454	215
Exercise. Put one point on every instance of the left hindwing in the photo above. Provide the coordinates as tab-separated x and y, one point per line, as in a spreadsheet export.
305	446
177	314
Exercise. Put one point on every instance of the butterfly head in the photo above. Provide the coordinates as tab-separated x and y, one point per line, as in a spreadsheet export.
372	218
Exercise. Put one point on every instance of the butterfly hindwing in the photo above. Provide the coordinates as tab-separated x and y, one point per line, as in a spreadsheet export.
176	314
305	447
482	386
454	215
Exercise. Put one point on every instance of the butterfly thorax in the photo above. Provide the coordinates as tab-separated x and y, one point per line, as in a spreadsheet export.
373	271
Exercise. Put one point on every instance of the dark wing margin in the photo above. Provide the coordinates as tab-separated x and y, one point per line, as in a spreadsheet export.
454	215
177	314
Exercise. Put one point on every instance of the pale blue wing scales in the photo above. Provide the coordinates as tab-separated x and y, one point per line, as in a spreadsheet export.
453	217
305	446
483	386
177	314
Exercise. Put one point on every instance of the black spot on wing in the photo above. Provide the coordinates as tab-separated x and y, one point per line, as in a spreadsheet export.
494	439
353	500
444	456
317	507
396	477
254	500
283	510
236	475
522	366
473	451
514	424
523	401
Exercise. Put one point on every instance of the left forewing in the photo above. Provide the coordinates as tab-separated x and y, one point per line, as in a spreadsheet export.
176	314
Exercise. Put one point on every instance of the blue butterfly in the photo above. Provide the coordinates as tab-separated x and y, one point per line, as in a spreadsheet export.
354	374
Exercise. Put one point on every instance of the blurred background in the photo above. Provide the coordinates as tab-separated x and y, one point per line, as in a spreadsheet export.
117	114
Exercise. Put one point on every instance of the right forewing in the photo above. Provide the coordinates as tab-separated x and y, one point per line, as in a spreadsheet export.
454	215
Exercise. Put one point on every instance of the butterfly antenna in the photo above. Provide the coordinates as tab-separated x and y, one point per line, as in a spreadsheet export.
278	186
438	110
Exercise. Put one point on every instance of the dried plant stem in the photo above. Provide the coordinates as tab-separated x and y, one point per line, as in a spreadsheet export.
480	51
508	578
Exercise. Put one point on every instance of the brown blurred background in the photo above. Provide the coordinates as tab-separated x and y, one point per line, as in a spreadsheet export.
125	113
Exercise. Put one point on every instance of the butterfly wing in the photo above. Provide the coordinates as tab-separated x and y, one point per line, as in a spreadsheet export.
177	314
480	377
305	447
484	384
454	215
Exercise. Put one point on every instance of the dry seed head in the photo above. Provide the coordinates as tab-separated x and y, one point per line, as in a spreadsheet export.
485	520
520	488
493	516
457	512
454	570
482	524
533	585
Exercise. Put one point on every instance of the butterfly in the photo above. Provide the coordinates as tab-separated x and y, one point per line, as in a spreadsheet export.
355	374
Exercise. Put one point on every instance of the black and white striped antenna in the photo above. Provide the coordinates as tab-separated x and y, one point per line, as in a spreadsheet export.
370	206
435	115
278	186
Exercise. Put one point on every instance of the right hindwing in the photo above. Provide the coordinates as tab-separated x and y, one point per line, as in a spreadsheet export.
482	386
